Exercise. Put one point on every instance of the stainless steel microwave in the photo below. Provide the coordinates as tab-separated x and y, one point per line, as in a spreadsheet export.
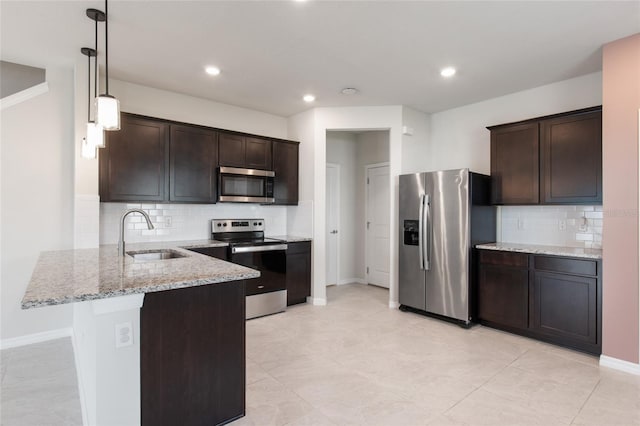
237	185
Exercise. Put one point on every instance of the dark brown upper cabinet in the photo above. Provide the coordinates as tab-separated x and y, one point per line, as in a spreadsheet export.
285	166
193	155
548	160
133	165
514	164
571	160
244	151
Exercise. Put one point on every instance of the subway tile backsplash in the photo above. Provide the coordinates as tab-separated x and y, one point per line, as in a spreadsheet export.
570	226
174	222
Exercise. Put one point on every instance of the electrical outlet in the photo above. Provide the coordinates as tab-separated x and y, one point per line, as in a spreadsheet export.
167	221
562	224
584	225
124	334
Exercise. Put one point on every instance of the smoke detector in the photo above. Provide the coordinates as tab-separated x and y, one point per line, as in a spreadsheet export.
349	91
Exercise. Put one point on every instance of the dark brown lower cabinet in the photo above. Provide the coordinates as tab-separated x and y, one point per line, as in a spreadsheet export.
298	272
556	299
217	252
192	355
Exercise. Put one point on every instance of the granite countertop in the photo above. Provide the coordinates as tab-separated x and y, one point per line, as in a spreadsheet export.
68	276
538	249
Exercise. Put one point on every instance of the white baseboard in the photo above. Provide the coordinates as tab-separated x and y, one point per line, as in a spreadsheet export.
317	301
393	305
80	378
619	364
351	281
29	339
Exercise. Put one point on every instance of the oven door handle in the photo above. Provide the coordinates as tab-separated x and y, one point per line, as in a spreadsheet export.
254	249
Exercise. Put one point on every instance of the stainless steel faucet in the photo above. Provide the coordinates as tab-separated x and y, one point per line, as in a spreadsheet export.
124	215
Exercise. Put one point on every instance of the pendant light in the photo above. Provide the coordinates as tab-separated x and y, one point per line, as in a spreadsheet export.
107	106
95	133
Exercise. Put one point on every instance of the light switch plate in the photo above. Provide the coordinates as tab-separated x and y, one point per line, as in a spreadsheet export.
124	334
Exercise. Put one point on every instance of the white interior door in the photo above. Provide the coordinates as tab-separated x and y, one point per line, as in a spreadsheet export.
378	227
333	223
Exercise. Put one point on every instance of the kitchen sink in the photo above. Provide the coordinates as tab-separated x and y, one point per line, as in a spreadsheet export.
151	255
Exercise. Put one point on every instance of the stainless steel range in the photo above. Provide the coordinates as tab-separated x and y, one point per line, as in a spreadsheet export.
249	247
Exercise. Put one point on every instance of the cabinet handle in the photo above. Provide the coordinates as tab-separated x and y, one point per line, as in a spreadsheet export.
260	286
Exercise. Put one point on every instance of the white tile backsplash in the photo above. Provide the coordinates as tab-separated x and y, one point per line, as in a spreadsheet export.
175	222
552	225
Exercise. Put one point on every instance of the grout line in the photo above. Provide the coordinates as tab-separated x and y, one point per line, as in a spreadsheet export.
585	401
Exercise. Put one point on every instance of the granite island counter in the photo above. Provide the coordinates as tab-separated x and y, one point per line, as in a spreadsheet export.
158	341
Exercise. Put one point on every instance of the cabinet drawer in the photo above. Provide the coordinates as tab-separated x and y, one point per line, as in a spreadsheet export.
504	258
568	266
259	286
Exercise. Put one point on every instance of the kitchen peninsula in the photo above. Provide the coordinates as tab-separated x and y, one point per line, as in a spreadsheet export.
178	317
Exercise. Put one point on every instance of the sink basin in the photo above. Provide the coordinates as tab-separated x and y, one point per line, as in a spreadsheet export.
151	255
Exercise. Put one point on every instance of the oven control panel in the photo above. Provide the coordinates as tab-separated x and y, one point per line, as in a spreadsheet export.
236	225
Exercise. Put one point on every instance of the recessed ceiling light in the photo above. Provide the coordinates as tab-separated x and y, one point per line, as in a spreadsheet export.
448	71
309	98
211	70
349	91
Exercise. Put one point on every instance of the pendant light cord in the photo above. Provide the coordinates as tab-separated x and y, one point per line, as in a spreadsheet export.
89	88
106	45
95	61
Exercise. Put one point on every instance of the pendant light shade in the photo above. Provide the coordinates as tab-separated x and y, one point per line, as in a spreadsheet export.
88	150
108	112
95	135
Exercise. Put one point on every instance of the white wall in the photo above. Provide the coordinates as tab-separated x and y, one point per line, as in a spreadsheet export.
372	148
341	149
458	138
415	147
37	198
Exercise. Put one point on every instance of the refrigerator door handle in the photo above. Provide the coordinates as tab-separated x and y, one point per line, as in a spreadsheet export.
421	231
427	233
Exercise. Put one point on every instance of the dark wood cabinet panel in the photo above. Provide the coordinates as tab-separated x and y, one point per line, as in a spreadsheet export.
231	150
244	151
565	306
515	165
571	159
503	295
285	166
548	160
195	377
556	299
298	272
134	162
258	153
193	153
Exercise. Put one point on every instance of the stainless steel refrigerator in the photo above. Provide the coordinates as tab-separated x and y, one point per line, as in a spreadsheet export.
442	216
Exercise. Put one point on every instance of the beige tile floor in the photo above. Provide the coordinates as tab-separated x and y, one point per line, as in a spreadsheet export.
356	362
39	385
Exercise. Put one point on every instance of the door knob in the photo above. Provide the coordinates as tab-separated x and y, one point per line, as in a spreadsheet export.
334	231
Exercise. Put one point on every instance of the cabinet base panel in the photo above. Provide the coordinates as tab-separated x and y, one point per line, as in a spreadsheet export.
591	349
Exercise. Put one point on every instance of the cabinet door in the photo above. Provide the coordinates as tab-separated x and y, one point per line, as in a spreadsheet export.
565	307
258	153
514	164
231	150
133	164
571	161
503	295
298	272
217	252
193	154
285	165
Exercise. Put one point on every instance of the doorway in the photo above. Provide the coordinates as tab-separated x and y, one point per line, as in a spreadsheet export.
333	223
377	232
352	158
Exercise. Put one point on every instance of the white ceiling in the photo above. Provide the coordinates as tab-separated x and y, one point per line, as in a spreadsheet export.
273	52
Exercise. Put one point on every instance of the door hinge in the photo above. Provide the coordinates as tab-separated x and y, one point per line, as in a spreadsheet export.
367	269
367	181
